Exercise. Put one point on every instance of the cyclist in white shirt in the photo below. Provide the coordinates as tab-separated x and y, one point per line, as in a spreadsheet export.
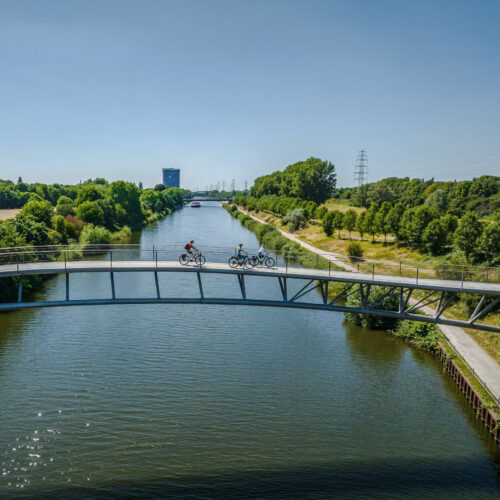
262	252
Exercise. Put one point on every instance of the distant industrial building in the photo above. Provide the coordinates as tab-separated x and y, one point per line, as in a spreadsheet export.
171	177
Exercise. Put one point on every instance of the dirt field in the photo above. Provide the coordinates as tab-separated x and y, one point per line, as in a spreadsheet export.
8	213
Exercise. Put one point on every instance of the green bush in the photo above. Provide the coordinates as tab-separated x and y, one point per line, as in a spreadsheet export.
95	235
354	251
390	303
425	335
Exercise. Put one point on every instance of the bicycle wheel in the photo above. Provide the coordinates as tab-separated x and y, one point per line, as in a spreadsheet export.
233	262
249	264
254	260
184	259
200	259
269	262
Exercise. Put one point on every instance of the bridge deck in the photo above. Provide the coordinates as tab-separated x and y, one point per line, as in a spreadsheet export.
223	268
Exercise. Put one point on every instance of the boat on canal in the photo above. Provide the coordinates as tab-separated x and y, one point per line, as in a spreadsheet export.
195	204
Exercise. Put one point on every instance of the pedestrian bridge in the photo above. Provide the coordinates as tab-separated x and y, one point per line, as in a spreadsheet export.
315	287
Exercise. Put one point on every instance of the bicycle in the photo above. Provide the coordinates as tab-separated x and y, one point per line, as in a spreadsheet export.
265	260
235	262
197	258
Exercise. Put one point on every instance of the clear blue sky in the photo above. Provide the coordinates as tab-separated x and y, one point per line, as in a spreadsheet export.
235	89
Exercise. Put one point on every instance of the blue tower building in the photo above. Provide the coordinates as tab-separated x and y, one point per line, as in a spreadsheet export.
171	177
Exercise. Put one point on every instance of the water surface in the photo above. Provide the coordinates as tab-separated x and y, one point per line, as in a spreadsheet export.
222	401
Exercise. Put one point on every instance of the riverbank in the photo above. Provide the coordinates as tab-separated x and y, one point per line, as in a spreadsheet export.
477	367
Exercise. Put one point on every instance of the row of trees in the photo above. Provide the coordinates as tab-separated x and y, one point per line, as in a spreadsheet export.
481	195
89	212
422	227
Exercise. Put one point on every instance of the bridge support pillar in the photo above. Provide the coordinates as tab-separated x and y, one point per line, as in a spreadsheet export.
200	285
113	296
157	286
282	282
20	290
241	281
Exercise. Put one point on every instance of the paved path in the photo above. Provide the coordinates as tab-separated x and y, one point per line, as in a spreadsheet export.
486	369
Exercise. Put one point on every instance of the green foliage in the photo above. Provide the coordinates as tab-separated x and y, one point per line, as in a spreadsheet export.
320	212
40	211
64	206
380	192
467	235
88	193
425	335
354	251
360	224
328	223
127	196
434	236
489	242
369	221
296	218
91	212
312	180
368	321
438	200
350	220
123	235
95	235
338	220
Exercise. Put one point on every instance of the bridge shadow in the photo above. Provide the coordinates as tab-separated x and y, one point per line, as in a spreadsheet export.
425	478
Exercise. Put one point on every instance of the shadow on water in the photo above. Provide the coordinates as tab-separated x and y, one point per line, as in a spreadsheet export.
427	478
373	345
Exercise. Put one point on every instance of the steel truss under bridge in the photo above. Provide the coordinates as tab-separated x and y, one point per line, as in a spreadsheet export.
298	288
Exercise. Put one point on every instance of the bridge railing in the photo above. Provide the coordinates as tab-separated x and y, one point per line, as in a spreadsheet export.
287	258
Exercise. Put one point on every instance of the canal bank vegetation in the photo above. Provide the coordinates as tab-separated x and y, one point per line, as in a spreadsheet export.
94	212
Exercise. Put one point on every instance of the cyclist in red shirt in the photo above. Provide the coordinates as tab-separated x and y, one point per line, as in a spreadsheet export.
190	249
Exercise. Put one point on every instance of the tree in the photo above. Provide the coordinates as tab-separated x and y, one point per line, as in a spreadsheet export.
450	223
327	223
320	212
434	236
140	186
380	192
64	206
91	212
393	220
338	220
127	195
489	242
88	193
377	293
370	226
296	218
438	200
360	198
40	211
421	217
467	234
350	220
380	219
360	224
311	180
95	235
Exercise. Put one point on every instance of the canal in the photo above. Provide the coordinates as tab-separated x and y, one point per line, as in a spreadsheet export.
224	401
